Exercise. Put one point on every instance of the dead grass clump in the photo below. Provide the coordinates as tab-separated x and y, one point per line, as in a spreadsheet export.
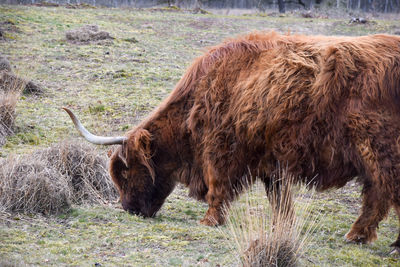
32	88
270	237
9	95
86	34
4	64
49	180
27	185
46	4
171	8
8	102
80	6
11	82
84	169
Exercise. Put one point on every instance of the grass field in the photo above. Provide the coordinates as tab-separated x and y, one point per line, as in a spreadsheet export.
112	85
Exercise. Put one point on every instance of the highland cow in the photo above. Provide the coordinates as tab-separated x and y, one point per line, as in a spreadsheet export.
327	107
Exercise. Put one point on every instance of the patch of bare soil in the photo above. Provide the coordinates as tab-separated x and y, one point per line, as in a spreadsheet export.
366	24
202	23
166	9
87	34
7	27
79	6
350	196
46	4
199	10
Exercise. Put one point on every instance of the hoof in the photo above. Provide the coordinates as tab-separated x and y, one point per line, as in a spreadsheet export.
209	221
360	238
351	238
213	218
356	238
395	251
396	248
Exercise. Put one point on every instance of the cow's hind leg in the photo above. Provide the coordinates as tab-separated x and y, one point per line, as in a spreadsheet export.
377	158
375	208
396	244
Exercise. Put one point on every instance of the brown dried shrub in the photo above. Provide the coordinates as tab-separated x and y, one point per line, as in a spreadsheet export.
8	102
87	34
27	185
9	95
4	64
49	180
11	82
84	169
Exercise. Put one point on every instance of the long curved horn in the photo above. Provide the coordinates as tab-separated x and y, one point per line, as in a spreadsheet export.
98	140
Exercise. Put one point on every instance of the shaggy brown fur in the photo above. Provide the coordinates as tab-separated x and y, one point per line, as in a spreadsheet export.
327	107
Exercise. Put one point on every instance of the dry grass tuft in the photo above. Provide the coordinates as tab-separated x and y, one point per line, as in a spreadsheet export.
4	64
9	94
49	180
84	169
8	102
271	237
80	6
86	34
33	88
27	185
11	82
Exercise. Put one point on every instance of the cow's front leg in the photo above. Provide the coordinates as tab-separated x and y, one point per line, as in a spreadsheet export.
216	199
396	244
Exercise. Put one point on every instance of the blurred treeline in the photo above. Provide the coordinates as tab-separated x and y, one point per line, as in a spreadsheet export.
383	6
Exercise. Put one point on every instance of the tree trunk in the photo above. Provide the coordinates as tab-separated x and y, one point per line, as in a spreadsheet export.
349	4
281	6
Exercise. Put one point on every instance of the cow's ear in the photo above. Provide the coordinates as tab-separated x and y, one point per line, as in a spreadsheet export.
123	155
142	143
138	148
143	140
110	153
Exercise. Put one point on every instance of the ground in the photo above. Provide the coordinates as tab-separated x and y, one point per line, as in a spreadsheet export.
112	85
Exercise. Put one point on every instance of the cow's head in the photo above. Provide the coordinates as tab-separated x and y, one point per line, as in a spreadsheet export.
132	170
